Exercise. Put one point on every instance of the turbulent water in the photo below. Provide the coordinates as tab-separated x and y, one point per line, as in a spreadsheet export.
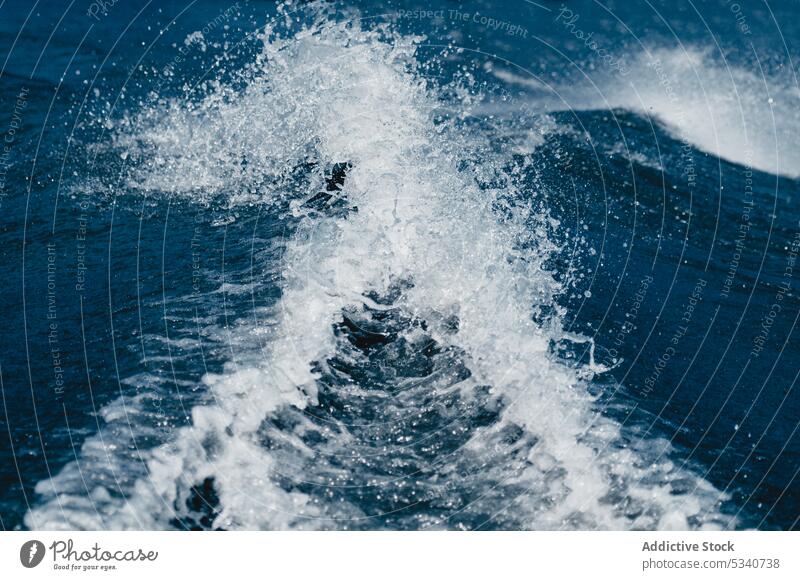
377	312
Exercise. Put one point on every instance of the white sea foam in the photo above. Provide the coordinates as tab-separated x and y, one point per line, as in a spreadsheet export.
336	93
745	116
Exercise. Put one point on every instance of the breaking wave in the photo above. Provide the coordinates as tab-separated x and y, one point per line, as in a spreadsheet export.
721	108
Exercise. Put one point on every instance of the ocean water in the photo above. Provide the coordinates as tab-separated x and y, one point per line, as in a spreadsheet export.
349	265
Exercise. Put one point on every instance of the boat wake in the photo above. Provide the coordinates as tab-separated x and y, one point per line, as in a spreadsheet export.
406	376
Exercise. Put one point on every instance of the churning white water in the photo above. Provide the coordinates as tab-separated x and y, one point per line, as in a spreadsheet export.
432	227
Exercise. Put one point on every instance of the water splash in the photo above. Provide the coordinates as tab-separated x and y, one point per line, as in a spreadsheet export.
402	379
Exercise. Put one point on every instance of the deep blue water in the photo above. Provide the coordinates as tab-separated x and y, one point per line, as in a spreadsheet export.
165	253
